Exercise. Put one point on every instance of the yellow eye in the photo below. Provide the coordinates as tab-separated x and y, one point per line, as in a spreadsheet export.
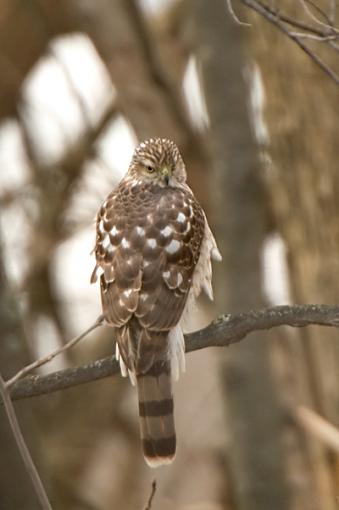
150	169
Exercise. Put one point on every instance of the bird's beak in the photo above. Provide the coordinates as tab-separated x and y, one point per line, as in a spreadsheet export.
165	174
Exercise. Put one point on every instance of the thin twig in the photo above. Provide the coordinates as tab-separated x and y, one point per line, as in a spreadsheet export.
260	8
45	359
327	25
234	15
318	427
224	331
320	38
293	22
26	456
151	496
300	24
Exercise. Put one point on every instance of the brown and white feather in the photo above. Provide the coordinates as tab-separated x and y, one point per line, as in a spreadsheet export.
153	252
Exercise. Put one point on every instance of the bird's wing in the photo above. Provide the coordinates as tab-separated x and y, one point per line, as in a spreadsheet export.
147	250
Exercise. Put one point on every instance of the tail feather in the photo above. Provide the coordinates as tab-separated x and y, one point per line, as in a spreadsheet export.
156	414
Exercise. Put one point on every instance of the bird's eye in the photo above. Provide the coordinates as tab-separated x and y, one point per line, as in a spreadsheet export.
150	169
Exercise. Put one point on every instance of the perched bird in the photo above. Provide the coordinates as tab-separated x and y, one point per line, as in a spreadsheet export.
153	255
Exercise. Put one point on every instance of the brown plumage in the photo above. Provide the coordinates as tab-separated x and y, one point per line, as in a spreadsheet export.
151	235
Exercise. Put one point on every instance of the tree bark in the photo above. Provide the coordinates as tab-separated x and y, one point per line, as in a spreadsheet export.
222	332
254	413
302	182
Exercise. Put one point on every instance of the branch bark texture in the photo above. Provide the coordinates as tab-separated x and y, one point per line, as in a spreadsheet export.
222	332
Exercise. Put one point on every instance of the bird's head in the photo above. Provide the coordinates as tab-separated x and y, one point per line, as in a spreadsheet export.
158	160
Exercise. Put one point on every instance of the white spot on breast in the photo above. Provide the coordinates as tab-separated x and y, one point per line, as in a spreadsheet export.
101	227
167	231
181	217
166	274
114	231
125	243
135	185
188	228
127	293
146	263
106	242
143	296
173	246
140	231
152	243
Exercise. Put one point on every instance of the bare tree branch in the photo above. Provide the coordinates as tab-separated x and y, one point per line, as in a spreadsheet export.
234	15
151	496
328	25
295	22
320	38
280	21
49	357
24	452
222	332
318	427
34	385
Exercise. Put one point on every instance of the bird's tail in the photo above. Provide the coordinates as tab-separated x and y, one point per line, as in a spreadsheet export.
156	414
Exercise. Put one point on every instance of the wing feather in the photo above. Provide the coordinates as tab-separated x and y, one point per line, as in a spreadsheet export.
147	259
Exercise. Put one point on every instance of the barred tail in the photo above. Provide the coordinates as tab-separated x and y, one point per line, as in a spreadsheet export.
156	414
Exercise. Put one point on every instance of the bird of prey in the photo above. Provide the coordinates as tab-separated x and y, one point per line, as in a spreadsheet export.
153	256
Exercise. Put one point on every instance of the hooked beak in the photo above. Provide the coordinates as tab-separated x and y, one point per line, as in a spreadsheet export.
165	174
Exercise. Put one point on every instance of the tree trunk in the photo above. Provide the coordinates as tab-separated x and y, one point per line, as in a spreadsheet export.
302	182
253	409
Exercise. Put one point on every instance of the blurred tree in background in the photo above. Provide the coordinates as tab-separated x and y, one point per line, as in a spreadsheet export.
254	112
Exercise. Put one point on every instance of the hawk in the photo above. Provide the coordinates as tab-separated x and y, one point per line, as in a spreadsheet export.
153	255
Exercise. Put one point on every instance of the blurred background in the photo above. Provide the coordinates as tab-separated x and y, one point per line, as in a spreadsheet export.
81	83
